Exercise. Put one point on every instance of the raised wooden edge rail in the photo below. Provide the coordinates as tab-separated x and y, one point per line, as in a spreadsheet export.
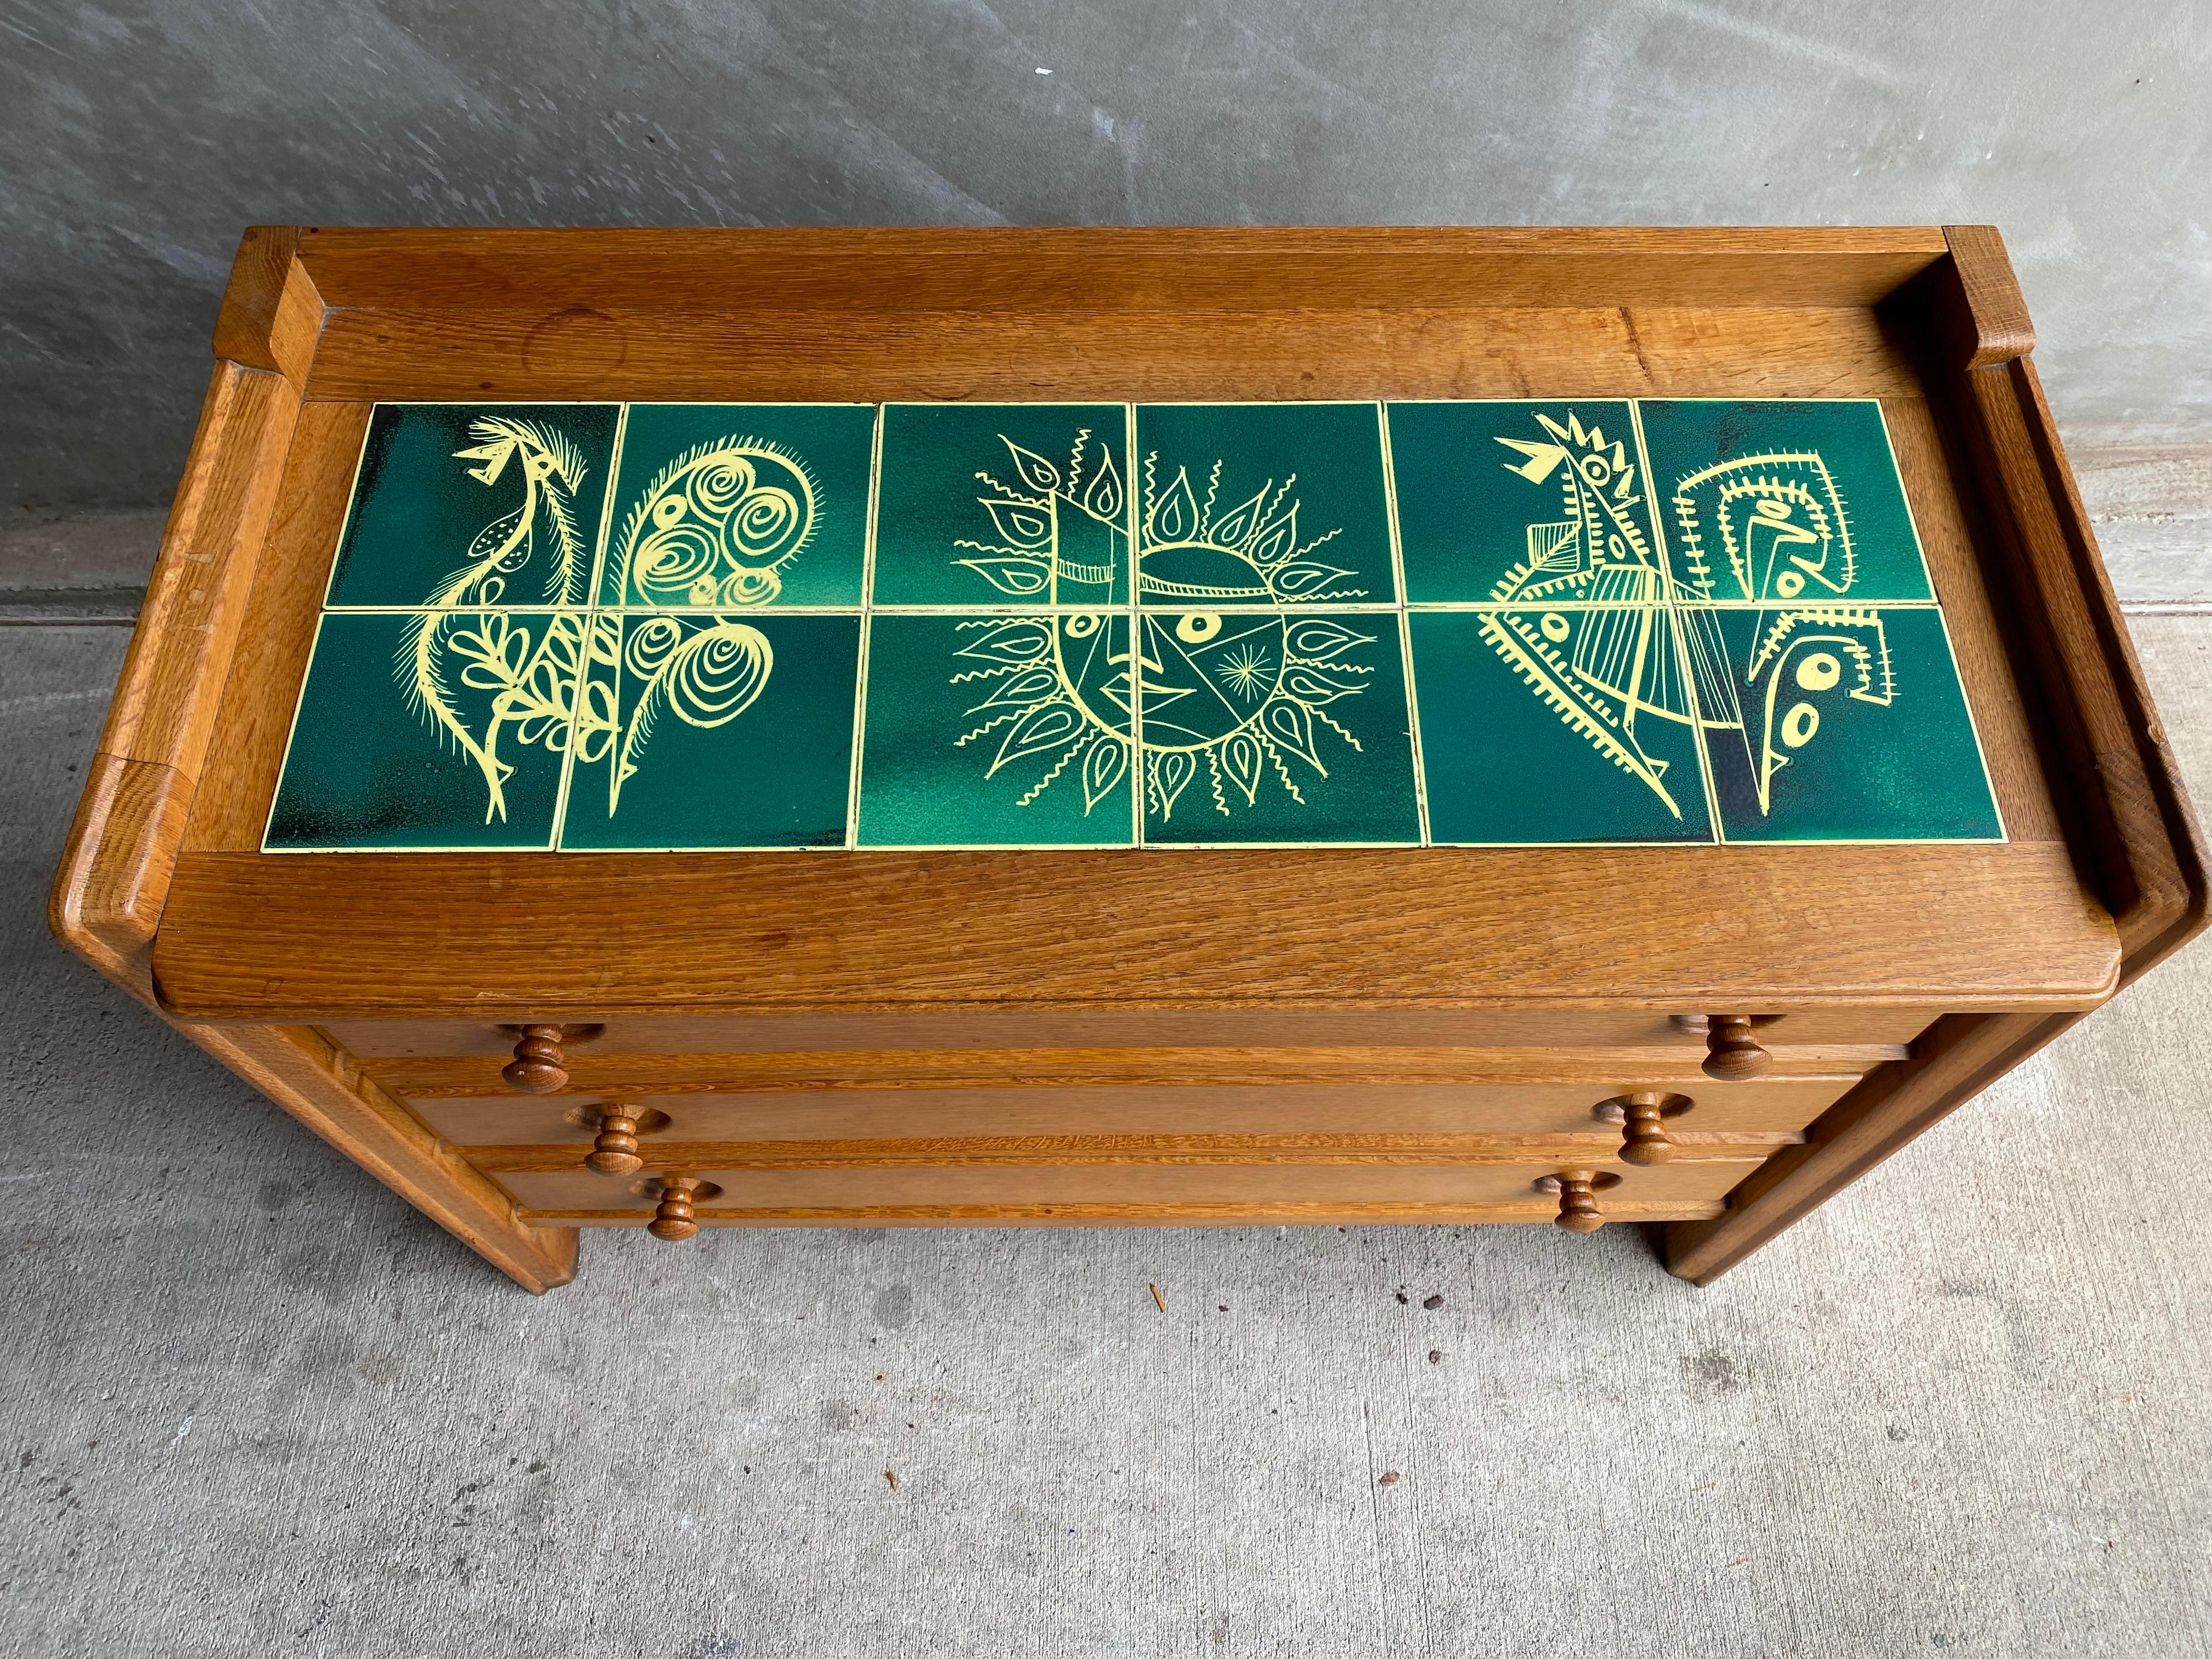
2132	832
122	850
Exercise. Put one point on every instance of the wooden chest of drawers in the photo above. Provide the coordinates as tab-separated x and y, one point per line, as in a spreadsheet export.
1531	974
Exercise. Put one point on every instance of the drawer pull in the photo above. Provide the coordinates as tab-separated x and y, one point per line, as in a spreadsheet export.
614	1152
676	1218
1577	1190
540	1065
1642	1116
1732	1054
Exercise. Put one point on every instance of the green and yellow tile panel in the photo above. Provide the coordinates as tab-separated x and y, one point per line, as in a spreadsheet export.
689	627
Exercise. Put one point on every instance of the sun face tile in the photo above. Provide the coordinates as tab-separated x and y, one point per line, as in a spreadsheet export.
431	731
1559	726
1270	726
997	730
1263	504
1000	504
1853	728
1523	502
726	505
1784	502
472	505
714	732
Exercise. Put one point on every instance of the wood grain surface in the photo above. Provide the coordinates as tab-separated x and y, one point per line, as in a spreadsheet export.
1420	973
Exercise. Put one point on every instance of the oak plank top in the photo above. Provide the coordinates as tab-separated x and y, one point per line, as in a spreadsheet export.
1984	923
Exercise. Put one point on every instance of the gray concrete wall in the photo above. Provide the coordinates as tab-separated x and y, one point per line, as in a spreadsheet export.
135	139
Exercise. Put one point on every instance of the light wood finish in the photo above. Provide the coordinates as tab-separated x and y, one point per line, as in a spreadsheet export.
923	1070
1225	1213
2136	838
1690	1185
113	889
1030	1151
614	1145
350	936
1642	1114
1462	996
1578	1189
1745	1111
673	1217
1848	1035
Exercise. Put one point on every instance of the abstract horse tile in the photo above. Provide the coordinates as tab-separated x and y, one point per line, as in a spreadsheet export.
1851	726
462	506
1782	502
1523	503
714	732
1263	504
1003	504
997	730
1563	726
1274	727
723	506
430	731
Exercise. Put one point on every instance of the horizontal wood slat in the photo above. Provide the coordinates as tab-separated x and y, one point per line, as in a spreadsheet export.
1594	1148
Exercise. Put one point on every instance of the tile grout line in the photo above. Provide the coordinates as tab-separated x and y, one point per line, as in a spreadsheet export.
576	696
1136	635
1715	832
867	630
1404	621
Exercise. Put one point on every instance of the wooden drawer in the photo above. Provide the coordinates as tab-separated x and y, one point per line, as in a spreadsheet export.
1164	1196
1869	1034
1736	1110
594	1074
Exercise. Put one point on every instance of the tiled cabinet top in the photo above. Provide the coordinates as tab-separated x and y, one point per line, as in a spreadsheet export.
662	627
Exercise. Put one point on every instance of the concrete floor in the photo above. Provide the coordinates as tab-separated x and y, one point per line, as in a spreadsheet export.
254	1405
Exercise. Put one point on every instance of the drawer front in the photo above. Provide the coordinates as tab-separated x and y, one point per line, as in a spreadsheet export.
587	1073
1156	1194
1738	1110
1810	1032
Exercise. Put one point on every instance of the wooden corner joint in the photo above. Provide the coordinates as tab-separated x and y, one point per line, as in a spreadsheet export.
114	876
272	312
1988	313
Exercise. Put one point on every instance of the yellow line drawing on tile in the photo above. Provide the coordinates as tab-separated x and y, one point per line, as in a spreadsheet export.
532	685
1608	638
705	672
717	526
1216	665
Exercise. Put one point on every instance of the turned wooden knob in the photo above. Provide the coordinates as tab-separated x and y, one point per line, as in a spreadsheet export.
1732	1054
1578	1190
538	1066
615	1152
676	1219
1643	1118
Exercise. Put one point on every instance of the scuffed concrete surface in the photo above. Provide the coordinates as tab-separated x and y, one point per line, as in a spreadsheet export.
140	138
255	1405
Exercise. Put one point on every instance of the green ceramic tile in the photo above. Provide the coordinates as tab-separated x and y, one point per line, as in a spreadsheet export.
1263	504
1784	501
1276	726
1562	725
997	730
466	505
714	732
719	506
1853	728
1523	503
439	730
993	504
